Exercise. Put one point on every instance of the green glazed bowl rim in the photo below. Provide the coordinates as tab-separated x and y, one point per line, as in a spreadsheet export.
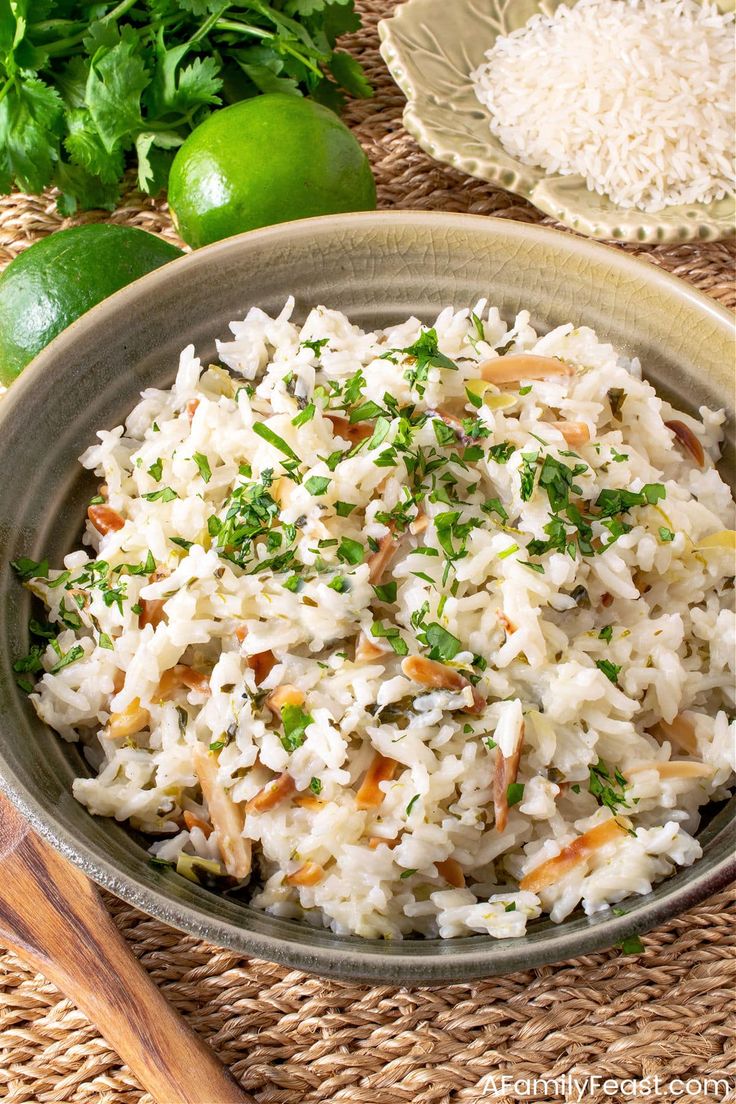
412	961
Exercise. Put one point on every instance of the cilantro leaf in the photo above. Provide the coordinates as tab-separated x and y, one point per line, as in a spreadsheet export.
295	722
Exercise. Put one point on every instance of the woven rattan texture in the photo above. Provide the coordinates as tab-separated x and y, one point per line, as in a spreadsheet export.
290	1037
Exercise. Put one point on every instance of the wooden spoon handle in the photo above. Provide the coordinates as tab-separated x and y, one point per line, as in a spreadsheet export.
54	918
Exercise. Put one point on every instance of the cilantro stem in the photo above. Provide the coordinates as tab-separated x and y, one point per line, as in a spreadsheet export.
207	26
63	44
242	28
6	88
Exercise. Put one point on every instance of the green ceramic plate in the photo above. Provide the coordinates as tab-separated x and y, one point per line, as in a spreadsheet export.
431	47
379	268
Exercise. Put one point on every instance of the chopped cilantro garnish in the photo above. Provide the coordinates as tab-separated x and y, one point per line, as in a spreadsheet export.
27	568
104	641
386	592
182	543
71	656
315	786
365	412
527	473
203	464
339	583
533	566
632	945
407	873
501	452
514	793
445	434
610	670
666	535
607	787
606	634
304	415
412	803
317	484
380	433
441	643
295	722
156	469
350	551
508	551
494	506
166	494
292	583
344	509
525	390
316	345
558	481
392	635
267	434
473	399
478	326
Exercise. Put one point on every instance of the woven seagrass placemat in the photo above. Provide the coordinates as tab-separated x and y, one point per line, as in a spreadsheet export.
291	1037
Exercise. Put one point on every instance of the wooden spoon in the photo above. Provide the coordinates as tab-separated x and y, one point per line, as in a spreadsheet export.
53	917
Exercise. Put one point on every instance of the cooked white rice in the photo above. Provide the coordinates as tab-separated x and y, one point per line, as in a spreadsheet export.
569	660
636	96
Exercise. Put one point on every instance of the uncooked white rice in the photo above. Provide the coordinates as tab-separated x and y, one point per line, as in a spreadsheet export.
636	96
554	662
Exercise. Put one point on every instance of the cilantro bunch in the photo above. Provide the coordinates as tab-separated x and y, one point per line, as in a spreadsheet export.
88	88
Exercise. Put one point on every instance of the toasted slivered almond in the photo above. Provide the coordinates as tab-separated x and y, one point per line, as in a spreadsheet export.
349	431
369	795
191	820
272	794
226	815
679	731
284	695
181	675
419	524
118	681
105	519
309	801
523	366
103	491
452	872
240	634
379	561
429	672
261	664
575	433
577	852
366	650
152	612
134	718
376	841
688	440
307	875
192	407
505	772
673	768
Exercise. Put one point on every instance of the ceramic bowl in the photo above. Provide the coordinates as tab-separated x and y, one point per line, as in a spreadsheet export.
379	268
431	47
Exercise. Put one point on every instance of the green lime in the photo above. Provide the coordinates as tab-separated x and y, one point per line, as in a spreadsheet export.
60	277
270	159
